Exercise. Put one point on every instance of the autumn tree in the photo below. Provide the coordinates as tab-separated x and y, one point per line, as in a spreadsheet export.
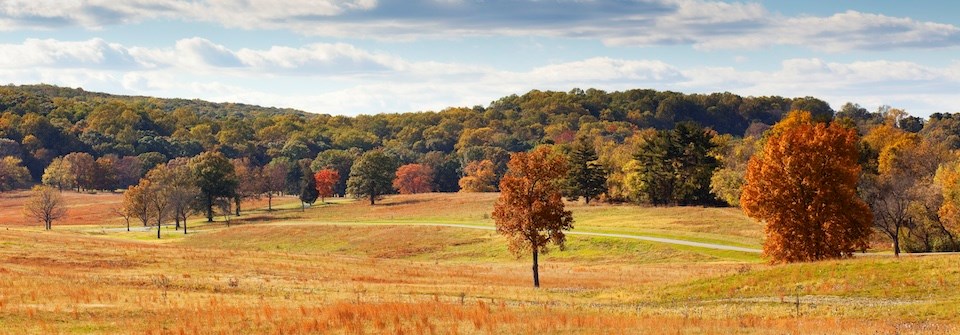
58	174
414	178
326	180
215	178
529	211
274	180
45	205
586	177
479	176
803	187
180	184
13	174
84	169
105	173
727	182
338	160
372	175
250	180
136	202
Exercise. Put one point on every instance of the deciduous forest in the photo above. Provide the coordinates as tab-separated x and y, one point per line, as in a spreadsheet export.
641	146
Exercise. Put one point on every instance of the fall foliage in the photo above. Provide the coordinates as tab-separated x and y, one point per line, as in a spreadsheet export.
414	178
803	187
326	180
530	211
478	176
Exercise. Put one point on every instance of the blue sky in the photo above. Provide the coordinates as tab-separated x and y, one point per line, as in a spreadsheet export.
385	56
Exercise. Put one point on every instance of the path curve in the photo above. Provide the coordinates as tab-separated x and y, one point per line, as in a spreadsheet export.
634	237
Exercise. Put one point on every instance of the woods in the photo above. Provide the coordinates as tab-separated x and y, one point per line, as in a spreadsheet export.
635	146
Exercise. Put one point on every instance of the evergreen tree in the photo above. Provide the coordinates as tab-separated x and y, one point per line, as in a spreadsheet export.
308	191
675	166
586	177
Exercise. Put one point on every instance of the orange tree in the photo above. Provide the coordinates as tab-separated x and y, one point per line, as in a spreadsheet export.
530	209
803	186
414	178
326	180
479	176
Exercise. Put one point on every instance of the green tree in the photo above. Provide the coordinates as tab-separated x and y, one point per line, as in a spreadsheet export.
372	175
586	177
215	178
308	192
675	166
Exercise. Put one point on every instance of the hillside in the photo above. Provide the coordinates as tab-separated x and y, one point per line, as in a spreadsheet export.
41	122
330	269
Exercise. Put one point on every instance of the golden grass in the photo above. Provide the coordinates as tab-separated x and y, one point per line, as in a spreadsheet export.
304	278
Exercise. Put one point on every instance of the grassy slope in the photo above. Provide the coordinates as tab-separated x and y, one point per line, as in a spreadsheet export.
714	225
298	276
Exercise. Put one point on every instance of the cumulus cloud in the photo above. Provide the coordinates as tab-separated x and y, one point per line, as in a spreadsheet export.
340	78
93	53
704	24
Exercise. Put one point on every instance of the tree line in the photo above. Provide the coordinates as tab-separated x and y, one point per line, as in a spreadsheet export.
640	146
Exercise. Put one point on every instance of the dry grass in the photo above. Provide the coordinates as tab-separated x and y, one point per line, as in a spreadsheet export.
83	208
61	283
301	278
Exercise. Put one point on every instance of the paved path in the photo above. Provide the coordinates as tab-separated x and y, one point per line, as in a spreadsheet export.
627	236
634	237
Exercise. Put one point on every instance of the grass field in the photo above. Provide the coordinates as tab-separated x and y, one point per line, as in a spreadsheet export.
348	268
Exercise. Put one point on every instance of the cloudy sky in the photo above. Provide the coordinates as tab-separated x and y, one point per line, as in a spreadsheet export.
373	56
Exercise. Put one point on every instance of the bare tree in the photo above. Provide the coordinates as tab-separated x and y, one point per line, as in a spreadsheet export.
45	205
122	212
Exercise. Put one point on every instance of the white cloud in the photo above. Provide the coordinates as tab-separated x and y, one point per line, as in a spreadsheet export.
704	24
54	53
345	79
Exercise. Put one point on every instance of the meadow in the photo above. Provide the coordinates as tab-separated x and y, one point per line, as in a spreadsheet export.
345	267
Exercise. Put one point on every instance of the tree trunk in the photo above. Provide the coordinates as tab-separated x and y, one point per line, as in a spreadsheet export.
587	199
128	224
896	243
176	220
372	197
303	206
209	208
536	270
184	224
236	200
269	201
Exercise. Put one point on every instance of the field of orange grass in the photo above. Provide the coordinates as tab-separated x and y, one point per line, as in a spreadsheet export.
85	208
82	208
55	282
279	273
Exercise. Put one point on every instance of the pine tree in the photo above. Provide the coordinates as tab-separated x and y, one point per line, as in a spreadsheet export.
308	191
586	177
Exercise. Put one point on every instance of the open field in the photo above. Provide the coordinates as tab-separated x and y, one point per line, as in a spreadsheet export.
83	208
318	271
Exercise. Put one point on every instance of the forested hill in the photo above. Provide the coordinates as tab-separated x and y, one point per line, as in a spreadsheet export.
41	122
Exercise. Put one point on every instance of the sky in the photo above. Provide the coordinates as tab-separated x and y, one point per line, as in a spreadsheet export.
386	56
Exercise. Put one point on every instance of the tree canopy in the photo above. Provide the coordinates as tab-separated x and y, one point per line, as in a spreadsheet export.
803	187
